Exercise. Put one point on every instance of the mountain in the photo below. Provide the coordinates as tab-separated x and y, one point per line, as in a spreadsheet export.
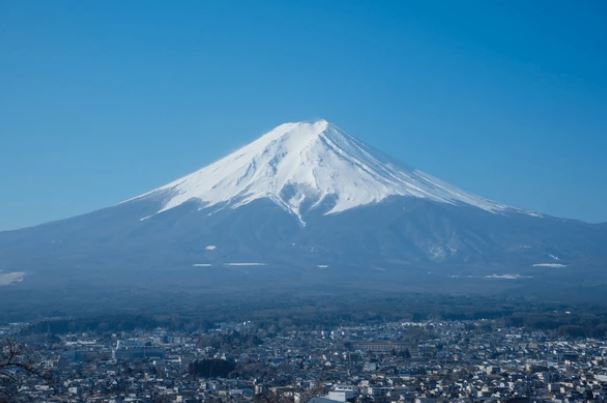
304	205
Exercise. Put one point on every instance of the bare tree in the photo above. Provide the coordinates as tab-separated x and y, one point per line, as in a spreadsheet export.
17	363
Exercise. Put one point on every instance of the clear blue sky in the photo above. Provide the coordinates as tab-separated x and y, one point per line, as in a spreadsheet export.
102	100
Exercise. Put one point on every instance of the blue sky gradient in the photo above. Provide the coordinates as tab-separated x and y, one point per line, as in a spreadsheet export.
103	100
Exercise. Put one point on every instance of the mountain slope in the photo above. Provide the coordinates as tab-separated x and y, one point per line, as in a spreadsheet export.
304	205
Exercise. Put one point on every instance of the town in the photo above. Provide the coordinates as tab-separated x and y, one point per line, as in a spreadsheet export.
397	361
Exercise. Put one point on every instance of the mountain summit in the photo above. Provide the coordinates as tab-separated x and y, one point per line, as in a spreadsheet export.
307	165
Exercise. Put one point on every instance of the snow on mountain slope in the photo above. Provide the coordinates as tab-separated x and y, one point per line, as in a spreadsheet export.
305	163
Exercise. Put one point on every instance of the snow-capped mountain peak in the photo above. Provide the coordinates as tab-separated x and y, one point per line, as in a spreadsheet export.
304	164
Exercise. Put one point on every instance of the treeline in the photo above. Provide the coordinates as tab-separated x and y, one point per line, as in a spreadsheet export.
230	340
211	368
115	323
563	323
329	311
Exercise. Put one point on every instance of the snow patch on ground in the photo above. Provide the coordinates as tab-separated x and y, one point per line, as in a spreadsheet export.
550	265
514	276
377	268
11	277
494	276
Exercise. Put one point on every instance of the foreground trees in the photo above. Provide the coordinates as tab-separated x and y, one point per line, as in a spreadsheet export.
18	363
